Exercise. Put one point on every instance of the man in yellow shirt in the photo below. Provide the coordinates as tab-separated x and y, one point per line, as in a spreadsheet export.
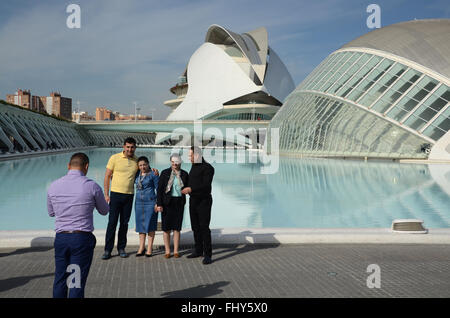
122	168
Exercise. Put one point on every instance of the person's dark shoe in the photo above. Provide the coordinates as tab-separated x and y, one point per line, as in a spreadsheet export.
106	255
207	260
123	254
194	255
141	253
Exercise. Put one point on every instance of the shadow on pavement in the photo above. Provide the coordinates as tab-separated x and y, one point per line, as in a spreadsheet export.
199	291
235	249
225	243
11	283
38	244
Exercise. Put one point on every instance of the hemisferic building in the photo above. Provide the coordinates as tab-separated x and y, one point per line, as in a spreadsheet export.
385	94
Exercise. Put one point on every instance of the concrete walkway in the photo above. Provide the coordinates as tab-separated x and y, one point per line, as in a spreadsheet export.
20	239
247	271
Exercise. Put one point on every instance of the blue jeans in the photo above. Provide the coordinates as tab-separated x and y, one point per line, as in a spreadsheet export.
72	249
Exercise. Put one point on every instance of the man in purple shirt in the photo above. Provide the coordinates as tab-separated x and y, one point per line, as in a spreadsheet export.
71	200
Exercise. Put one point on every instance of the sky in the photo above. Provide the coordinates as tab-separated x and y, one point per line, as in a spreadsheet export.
135	50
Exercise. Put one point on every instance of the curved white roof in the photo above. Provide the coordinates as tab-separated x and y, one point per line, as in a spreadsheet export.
216	76
256	52
426	42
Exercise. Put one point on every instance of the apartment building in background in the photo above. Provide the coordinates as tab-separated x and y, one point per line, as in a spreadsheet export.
102	113
82	116
55	104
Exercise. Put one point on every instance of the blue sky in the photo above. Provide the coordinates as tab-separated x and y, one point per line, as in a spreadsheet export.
134	50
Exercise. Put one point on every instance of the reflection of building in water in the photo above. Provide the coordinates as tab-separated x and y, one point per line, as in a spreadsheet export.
307	193
441	174
321	193
338	193
385	94
325	193
241	188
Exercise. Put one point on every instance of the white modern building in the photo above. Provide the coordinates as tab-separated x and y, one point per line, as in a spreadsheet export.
231	77
385	94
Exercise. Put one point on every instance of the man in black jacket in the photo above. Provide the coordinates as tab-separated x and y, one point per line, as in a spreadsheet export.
200	202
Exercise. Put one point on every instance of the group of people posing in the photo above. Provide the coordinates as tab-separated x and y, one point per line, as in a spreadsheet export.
72	198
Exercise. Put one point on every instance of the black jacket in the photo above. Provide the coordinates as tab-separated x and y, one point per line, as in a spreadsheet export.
163	198
200	179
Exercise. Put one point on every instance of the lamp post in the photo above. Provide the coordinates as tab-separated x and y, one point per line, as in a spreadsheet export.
135	111
152	110
77	113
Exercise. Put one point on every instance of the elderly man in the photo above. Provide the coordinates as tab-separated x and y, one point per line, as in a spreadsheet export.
71	200
200	203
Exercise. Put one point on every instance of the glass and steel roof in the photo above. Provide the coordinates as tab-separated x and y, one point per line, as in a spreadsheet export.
388	87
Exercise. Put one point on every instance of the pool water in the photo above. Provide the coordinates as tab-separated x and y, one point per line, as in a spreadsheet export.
303	193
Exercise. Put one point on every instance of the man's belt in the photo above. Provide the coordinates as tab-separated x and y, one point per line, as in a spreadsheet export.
75	232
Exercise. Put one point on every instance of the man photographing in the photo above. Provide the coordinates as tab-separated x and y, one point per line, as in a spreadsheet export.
71	200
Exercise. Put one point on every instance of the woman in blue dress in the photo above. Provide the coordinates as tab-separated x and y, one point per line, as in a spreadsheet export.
145	205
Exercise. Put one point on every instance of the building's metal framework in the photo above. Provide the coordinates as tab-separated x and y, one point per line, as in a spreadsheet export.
364	101
26	131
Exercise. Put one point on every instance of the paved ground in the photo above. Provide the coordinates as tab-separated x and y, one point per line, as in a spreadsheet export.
247	271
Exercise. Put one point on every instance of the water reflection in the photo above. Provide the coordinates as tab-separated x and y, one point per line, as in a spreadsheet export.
341	193
305	193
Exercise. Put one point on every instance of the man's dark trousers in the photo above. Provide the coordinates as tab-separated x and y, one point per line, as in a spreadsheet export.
200	213
72	249
120	206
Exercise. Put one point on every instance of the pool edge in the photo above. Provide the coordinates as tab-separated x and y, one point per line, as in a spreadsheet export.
26	239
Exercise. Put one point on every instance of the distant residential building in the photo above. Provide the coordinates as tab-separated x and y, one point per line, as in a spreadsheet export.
58	105
54	104
38	103
21	98
102	113
81	116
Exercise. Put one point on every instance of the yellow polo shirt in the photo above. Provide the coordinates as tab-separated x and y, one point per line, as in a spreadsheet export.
124	172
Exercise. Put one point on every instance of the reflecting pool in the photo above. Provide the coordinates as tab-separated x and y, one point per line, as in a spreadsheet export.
304	193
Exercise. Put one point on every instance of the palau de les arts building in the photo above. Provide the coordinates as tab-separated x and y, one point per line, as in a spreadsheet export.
383	95
230	77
